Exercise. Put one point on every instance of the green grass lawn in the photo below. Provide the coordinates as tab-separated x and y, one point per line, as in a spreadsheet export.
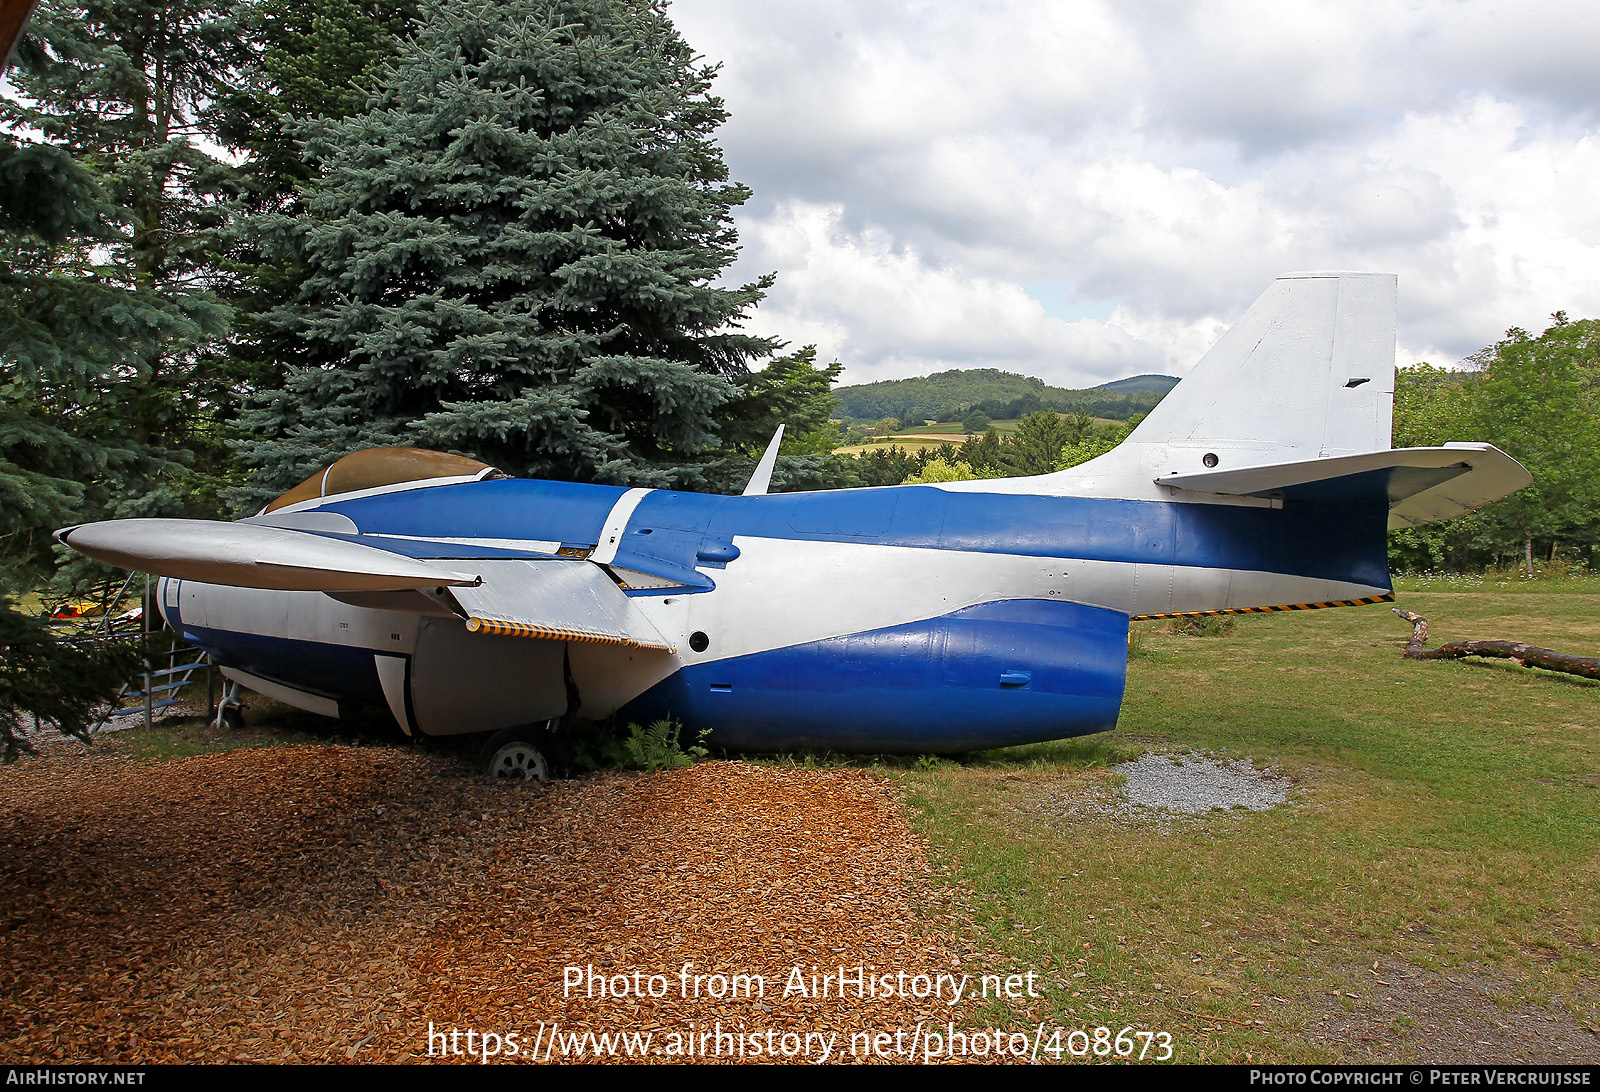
1443	818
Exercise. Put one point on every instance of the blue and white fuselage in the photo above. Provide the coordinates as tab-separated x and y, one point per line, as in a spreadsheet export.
913	617
916	618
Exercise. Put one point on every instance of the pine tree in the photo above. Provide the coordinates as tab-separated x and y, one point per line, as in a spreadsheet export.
316	59
72	348
126	86
514	253
123	88
105	226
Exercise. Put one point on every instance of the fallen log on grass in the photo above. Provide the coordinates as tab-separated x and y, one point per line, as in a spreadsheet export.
1520	654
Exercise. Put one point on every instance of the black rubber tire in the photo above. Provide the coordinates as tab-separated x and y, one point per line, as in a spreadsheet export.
519	754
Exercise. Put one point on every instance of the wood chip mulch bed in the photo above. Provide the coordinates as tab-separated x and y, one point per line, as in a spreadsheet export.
332	904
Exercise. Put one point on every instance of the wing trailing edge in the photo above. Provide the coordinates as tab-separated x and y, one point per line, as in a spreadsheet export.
556	599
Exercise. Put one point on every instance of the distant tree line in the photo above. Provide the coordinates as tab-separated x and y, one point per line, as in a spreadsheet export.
1043	442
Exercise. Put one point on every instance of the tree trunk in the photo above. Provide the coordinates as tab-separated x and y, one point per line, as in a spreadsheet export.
1520	654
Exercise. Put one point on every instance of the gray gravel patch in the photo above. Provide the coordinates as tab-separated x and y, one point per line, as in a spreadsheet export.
1193	784
1157	790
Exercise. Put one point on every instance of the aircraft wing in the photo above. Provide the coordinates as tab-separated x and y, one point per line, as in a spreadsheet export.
549	597
1421	484
247	555
560	599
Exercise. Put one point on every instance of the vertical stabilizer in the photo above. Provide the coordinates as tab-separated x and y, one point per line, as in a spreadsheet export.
1307	373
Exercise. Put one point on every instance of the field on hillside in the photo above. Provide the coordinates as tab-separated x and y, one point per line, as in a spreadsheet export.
927	436
932	436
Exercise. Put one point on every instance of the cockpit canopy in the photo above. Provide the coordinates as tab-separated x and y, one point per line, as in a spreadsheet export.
373	467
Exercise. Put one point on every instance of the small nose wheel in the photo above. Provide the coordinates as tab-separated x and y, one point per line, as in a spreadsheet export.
520	754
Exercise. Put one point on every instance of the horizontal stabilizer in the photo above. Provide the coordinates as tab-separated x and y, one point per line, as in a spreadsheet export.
249	555
1421	484
563	600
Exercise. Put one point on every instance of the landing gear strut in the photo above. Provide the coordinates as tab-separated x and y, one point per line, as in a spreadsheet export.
230	709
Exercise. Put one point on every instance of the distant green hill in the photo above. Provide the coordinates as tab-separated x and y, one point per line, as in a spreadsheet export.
949	396
1162	383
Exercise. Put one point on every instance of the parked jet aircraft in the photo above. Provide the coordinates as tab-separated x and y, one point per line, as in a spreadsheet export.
915	618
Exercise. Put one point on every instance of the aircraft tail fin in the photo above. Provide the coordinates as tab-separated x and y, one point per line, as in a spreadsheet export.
1307	373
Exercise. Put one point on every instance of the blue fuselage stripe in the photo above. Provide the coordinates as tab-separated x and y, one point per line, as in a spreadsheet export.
1333	538
1339	541
340	672
511	508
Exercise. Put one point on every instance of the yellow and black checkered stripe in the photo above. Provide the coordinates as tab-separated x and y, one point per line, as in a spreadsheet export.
1389	598
551	633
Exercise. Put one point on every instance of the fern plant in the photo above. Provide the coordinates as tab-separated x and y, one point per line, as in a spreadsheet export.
659	747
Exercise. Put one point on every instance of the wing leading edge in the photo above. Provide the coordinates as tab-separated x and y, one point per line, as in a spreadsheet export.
553	598
245	555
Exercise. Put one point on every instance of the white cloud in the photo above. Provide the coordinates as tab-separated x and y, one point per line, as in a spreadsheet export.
888	313
917	164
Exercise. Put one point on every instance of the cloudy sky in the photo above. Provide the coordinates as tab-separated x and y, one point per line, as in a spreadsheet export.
1082	191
